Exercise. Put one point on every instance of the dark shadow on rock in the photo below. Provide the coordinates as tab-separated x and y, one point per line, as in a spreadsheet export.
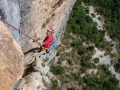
2	15
29	69
32	50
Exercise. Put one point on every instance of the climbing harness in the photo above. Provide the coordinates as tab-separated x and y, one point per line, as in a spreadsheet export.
19	31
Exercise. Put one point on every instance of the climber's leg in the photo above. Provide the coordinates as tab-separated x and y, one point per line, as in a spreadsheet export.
37	60
39	54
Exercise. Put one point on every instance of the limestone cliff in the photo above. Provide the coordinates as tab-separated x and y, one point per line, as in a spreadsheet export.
11	59
33	17
37	16
9	10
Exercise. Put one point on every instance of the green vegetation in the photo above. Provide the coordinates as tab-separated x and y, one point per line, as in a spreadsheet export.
104	81
109	9
100	83
82	36
96	60
87	64
81	24
58	53
54	85
117	66
70	62
115	55
57	70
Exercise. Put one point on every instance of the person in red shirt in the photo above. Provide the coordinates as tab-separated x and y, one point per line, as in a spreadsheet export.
47	42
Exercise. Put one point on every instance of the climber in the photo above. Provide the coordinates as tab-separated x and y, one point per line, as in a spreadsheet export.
47	42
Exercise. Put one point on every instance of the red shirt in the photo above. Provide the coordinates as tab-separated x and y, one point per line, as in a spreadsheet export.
47	42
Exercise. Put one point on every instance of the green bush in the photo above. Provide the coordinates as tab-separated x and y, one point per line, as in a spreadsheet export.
67	35
109	50
89	19
70	62
73	88
104	68
54	85
58	53
57	70
108	85
115	55
87	10
100	18
88	65
96	60
117	66
112	45
91	48
101	83
93	15
77	76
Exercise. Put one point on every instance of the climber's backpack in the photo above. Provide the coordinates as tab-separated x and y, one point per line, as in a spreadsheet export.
53	44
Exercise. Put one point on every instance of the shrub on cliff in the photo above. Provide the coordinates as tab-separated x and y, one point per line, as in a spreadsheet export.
54	85
96	60
117	66
57	70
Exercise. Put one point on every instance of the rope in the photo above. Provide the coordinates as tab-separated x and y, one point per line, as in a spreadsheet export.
19	31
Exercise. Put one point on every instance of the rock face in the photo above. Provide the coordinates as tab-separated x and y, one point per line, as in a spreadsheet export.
11	59
37	16
37	80
9	10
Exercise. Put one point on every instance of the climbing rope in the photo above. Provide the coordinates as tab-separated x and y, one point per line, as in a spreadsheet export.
19	31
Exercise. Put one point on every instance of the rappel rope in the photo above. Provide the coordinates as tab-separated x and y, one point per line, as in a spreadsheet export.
19	31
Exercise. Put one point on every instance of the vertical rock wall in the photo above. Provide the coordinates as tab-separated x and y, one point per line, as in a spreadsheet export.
58	22
11	56
37	16
11	59
11	13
